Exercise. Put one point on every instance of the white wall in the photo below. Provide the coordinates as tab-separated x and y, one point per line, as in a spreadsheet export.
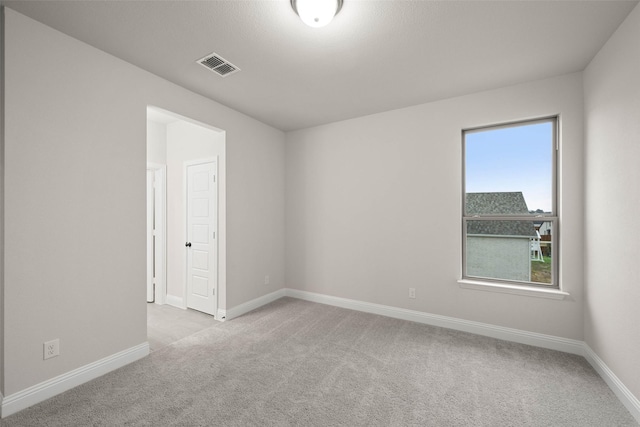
373	207
75	161
186	141
156	142
612	225
2	221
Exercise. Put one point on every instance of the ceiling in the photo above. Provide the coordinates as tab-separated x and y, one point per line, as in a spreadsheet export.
375	56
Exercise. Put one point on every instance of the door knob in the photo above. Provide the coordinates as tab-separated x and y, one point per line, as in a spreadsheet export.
188	244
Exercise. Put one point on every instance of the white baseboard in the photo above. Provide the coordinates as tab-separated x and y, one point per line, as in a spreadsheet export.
47	389
624	394
253	304
175	302
508	334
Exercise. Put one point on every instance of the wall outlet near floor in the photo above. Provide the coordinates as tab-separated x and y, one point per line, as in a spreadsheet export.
51	349
266	279
412	292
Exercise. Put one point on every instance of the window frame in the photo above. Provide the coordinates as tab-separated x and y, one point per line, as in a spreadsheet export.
552	217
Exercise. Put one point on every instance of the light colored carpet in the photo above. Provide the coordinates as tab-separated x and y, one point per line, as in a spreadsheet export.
298	363
167	324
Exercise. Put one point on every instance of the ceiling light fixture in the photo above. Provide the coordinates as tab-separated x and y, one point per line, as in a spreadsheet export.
316	13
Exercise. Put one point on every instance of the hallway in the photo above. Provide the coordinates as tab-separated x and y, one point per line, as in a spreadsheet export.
167	324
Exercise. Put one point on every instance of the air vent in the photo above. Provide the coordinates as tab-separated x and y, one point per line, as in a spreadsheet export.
218	65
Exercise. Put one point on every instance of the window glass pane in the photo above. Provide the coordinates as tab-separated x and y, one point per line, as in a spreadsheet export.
508	170
510	250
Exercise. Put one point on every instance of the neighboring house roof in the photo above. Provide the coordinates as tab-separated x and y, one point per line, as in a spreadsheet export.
507	203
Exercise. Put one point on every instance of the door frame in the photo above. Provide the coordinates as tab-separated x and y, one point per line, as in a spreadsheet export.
160	212
185	202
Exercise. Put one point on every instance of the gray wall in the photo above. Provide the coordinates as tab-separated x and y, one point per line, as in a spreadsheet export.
75	149
612	226
373	207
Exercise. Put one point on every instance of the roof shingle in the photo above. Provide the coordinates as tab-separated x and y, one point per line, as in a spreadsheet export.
505	203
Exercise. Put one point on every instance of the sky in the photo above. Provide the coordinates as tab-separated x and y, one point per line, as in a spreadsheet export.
515	158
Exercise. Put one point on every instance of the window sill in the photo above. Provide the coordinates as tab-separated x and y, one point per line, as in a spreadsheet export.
530	291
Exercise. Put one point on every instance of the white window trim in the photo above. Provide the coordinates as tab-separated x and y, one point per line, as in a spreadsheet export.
531	291
505	286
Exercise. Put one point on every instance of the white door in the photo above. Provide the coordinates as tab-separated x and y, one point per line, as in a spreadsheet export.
201	245
150	235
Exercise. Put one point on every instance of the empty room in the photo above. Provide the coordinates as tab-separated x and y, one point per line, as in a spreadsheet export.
319	212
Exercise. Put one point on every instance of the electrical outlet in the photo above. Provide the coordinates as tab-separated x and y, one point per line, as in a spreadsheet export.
51	349
266	280
412	292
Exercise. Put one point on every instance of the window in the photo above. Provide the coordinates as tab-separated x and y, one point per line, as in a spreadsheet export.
509	219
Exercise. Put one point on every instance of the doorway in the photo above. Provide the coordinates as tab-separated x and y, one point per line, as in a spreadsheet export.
174	144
